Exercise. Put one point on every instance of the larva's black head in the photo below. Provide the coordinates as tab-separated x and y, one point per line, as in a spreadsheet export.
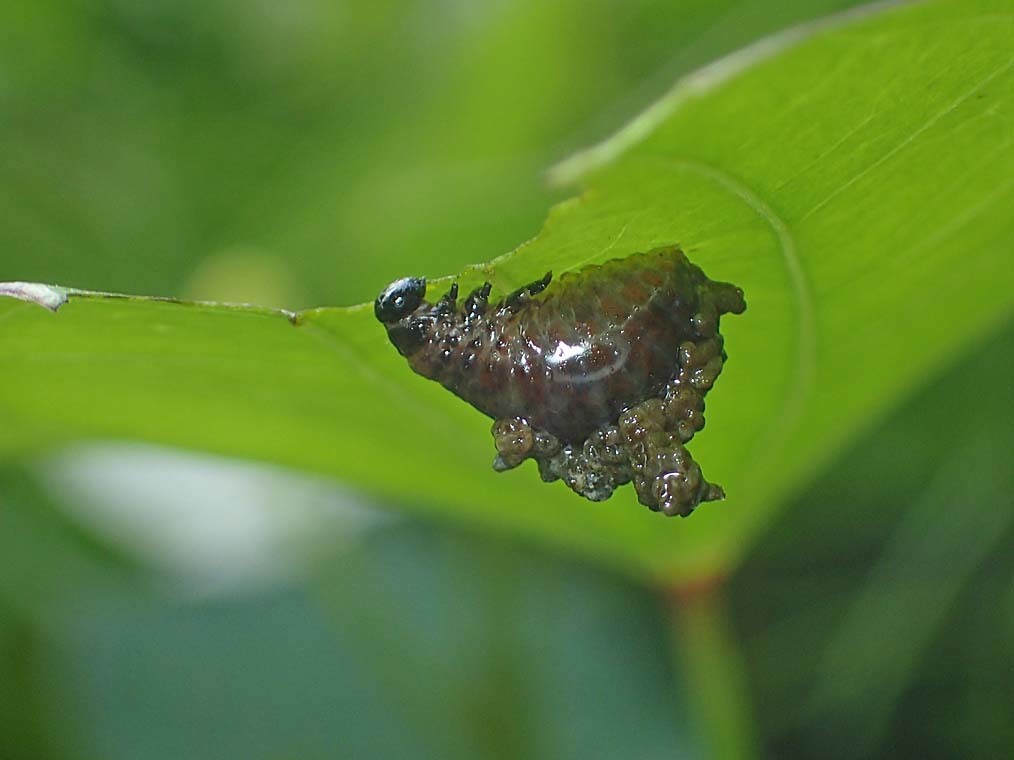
400	299
406	316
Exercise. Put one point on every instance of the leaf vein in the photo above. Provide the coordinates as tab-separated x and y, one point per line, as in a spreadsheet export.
806	339
912	137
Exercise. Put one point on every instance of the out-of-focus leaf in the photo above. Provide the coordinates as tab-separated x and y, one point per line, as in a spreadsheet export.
878	598
418	644
49	570
865	216
47	562
338	142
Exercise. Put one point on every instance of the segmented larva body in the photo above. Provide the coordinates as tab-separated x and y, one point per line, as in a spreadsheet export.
567	369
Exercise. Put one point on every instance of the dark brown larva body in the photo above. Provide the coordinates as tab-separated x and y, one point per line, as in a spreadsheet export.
557	366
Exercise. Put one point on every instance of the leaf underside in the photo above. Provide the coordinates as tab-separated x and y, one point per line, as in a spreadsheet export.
857	186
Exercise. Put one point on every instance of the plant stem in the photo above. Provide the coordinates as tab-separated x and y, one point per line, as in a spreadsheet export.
707	653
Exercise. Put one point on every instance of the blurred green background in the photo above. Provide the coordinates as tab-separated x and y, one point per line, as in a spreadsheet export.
160	604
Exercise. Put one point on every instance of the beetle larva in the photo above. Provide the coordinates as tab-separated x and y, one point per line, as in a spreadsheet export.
599	377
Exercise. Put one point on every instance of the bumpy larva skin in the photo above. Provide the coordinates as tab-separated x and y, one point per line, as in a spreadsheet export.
600	378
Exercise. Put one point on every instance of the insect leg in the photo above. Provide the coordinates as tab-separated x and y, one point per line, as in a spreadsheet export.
475	304
449	300
539	285
525	292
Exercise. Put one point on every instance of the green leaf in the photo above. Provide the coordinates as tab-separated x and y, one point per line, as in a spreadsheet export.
148	147
856	184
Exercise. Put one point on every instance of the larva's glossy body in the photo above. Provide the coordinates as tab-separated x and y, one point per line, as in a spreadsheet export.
558	366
